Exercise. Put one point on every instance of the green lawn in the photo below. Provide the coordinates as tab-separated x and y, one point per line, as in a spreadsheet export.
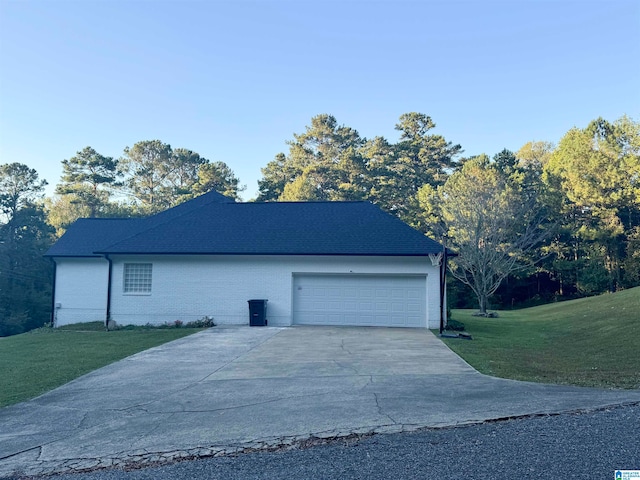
40	360
590	342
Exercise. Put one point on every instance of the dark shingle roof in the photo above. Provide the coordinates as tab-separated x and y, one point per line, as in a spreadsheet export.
297	228
181	209
282	228
87	235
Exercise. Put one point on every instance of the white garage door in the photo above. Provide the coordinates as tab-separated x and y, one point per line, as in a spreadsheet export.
368	300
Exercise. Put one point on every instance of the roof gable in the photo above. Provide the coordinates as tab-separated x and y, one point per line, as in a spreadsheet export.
88	235
190	205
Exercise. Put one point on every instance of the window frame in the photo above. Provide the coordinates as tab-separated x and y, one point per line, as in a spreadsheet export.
137	278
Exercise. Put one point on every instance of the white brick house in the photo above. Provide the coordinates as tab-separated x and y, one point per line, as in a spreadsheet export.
335	263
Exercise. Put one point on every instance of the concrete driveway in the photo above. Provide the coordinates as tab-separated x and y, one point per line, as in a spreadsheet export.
229	389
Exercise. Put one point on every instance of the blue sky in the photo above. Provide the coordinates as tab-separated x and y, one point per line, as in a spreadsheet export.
234	80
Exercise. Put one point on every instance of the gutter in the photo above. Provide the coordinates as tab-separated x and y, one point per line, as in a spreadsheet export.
264	253
443	284
443	281
53	293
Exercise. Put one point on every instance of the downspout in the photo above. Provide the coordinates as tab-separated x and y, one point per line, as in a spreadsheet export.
443	284
53	293
108	313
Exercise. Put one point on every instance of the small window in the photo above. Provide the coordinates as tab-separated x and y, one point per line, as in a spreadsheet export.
137	278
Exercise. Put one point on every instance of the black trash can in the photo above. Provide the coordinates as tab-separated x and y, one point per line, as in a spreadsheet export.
258	313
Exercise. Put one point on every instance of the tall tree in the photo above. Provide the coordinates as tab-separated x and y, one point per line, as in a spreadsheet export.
62	211
428	157
275	176
384	174
186	165
158	177
492	225
596	171
323	163
332	162
418	159
19	186
25	281
149	167
219	177
535	155
88	179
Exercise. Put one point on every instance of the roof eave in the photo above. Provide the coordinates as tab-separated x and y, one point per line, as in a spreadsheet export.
359	254
63	255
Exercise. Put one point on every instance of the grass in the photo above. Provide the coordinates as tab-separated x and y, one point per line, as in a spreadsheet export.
35	362
588	342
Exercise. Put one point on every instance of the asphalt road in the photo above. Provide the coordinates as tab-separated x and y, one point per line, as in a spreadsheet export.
581	446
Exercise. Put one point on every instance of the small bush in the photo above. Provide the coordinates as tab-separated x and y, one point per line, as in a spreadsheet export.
204	322
147	326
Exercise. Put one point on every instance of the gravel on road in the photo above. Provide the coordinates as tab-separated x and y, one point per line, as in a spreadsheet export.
589	445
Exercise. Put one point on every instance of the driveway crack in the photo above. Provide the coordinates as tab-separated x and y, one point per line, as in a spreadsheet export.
154	429
375	395
350	367
234	359
273	400
39	448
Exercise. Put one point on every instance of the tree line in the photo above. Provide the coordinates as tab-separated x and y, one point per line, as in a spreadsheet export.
532	226
544	223
150	177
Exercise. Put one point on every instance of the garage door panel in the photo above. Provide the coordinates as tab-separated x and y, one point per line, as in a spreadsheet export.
413	308
398	307
350	307
335	306
383	307
382	320
366	293
366	307
334	292
398	293
349	292
368	300
414	294
382	293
